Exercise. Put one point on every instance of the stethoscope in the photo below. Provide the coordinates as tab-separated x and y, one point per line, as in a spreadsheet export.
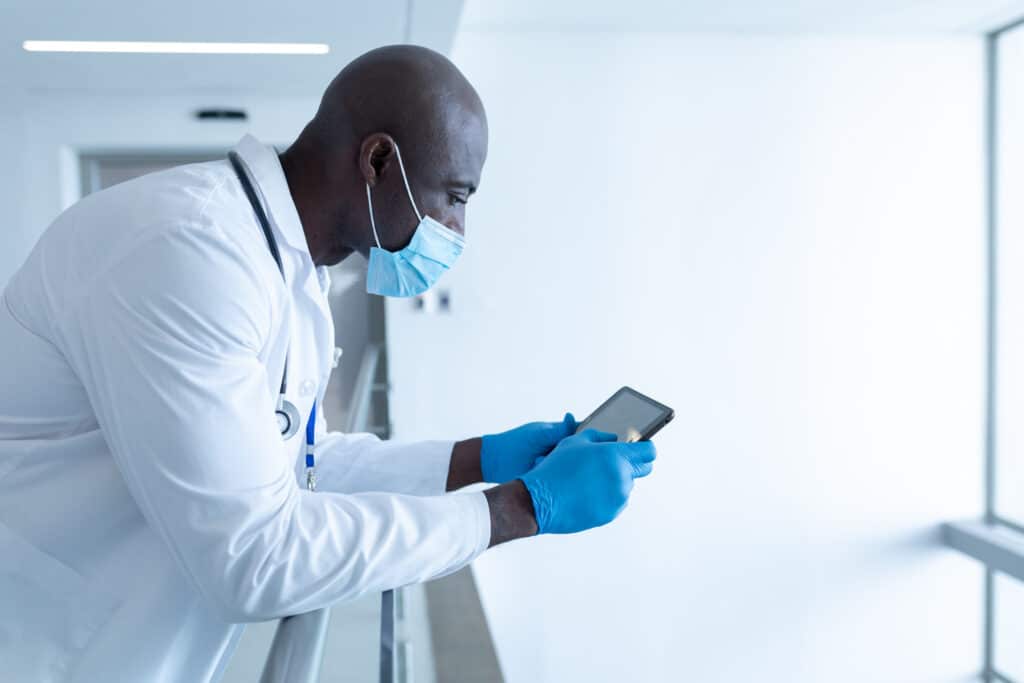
287	414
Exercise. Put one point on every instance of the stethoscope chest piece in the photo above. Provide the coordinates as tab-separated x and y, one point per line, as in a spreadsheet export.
287	418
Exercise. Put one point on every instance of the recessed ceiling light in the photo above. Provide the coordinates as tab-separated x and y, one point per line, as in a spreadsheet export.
176	48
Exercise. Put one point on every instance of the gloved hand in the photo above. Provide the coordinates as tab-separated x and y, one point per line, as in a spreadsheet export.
505	456
586	480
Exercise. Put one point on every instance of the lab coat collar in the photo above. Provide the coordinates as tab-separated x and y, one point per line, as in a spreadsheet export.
265	167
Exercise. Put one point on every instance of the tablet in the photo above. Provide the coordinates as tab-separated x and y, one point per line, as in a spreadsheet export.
630	415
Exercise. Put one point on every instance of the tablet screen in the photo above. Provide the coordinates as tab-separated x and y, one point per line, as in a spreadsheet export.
628	414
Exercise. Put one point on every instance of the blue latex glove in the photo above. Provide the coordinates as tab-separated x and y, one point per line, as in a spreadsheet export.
505	456
585	482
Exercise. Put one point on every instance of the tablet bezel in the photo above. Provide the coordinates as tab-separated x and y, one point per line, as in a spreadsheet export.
666	412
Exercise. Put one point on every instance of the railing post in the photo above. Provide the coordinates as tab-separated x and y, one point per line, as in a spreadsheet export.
387	637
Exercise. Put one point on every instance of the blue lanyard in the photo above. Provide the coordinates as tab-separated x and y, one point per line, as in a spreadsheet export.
310	442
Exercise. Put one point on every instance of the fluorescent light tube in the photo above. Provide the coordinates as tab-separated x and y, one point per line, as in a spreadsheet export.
176	48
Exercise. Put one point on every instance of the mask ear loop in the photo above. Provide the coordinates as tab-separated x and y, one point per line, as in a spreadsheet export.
408	191
405	180
369	204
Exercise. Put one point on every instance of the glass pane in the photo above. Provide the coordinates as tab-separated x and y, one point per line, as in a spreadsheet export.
1009	627
1009	414
351	653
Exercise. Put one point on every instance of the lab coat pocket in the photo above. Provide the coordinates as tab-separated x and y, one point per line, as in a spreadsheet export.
49	612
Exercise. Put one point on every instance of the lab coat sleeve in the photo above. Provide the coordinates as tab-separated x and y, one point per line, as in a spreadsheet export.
350	463
167	344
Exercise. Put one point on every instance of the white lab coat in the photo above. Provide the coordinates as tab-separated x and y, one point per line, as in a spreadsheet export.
147	502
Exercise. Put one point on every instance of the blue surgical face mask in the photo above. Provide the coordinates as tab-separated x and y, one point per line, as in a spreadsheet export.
417	267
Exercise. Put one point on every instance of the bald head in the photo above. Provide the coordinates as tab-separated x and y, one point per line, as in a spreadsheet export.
416	95
400	99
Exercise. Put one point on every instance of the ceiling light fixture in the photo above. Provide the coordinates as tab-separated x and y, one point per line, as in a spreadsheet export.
141	47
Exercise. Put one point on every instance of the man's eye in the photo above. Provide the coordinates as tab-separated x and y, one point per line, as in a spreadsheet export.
454	199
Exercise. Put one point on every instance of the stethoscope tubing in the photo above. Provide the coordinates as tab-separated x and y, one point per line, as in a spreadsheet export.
286	412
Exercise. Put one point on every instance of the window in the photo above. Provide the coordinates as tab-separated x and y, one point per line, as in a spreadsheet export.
998	539
1008	278
1008	631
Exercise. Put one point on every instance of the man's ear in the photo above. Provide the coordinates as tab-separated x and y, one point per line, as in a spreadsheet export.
376	153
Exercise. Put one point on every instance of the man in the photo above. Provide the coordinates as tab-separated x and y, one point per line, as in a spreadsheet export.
165	334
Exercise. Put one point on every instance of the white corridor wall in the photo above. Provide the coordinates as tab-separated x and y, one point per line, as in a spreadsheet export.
782	237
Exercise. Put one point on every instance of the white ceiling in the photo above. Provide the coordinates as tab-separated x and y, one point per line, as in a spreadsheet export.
744	16
350	27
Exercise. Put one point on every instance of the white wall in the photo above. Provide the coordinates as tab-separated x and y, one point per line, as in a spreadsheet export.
12	130
783	239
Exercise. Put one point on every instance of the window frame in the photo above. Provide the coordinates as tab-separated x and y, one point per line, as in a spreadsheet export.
997	542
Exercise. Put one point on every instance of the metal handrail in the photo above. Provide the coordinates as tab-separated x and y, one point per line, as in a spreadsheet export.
298	648
297	651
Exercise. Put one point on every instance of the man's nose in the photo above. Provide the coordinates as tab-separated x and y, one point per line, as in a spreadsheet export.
455	225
